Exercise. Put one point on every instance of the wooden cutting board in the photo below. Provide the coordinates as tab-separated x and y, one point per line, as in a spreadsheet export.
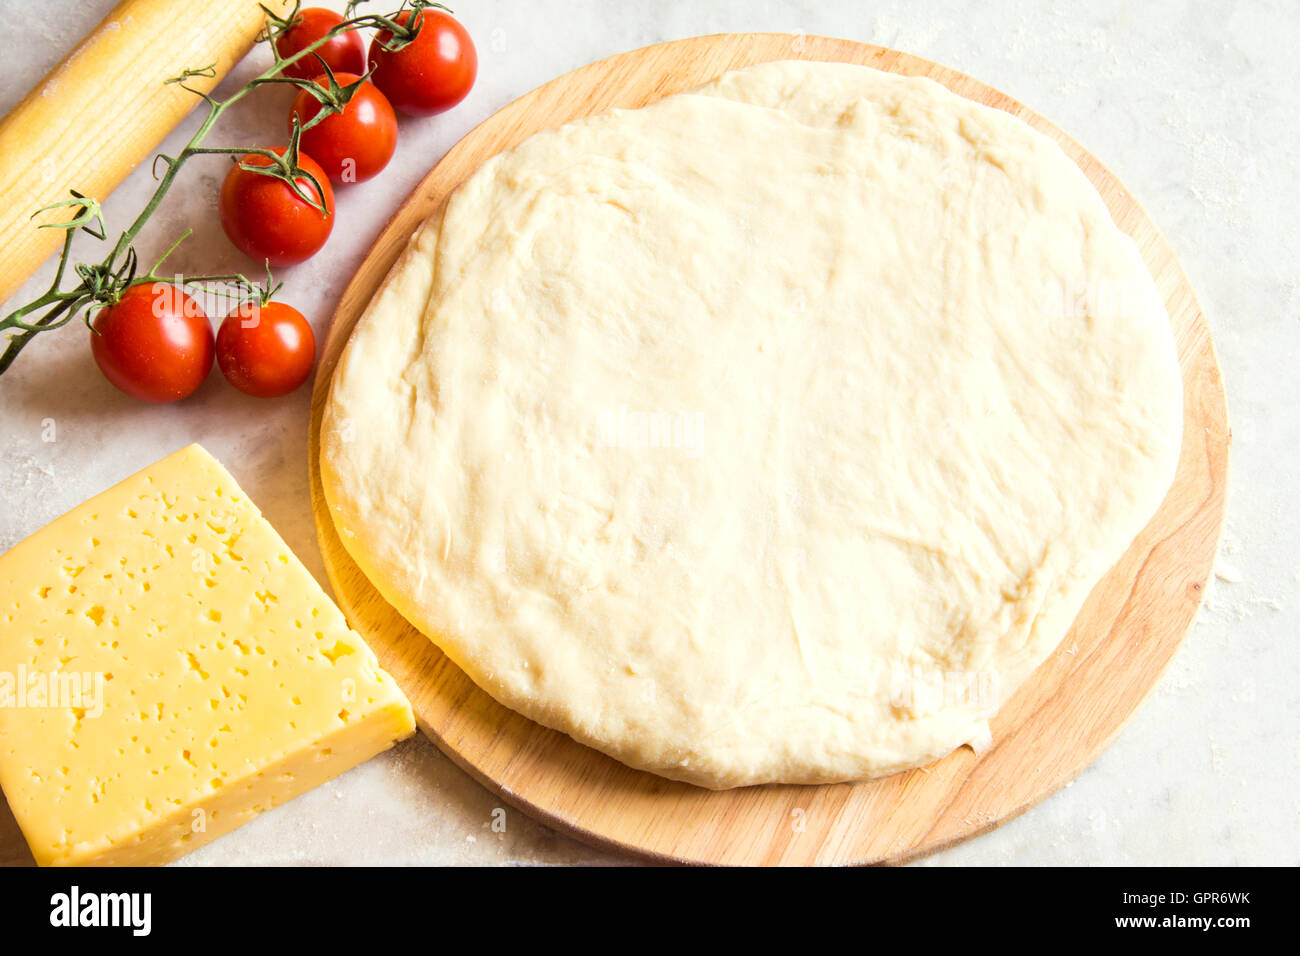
1069	711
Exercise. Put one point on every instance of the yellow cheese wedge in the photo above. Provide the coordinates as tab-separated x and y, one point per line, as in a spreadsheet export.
168	670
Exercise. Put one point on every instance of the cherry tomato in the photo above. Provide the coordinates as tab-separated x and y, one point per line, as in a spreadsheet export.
265	218
154	343
345	52
265	350
354	145
433	72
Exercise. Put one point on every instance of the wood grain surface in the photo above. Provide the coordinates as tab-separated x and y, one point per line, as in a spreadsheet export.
1063	717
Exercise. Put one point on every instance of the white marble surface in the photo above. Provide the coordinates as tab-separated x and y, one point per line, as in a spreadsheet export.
1192	104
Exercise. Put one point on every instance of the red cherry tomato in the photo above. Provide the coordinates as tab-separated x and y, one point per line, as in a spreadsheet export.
433	72
154	343
354	145
345	52
265	218
265	350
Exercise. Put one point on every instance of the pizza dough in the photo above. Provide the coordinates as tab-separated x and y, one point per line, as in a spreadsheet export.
772	432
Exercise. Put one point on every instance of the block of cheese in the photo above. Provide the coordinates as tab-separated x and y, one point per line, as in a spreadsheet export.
169	669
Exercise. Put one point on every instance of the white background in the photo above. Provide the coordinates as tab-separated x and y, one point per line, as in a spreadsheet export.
1192	104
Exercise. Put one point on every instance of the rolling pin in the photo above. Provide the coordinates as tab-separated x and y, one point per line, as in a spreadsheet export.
105	108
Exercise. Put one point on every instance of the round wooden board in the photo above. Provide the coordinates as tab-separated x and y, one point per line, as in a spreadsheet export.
1072	707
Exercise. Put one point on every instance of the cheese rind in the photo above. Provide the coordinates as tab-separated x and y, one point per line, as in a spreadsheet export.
216	679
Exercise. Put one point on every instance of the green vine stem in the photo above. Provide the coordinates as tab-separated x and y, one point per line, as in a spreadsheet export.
104	282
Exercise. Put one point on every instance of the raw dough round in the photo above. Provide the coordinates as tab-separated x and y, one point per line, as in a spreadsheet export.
772	432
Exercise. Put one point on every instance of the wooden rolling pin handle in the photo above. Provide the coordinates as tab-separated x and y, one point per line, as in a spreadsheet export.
105	108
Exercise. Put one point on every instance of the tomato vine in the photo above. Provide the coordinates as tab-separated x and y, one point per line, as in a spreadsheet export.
104	282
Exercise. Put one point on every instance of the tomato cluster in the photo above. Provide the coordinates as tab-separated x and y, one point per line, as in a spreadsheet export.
433	72
155	342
